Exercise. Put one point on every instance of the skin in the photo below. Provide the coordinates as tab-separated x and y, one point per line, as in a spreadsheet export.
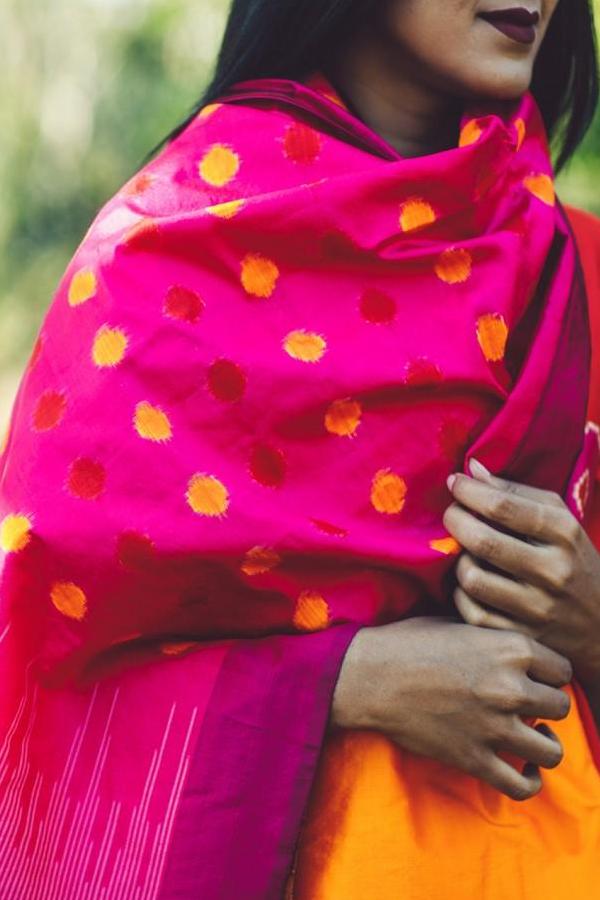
458	692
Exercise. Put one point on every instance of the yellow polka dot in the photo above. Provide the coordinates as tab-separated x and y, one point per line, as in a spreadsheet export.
416	213
219	165
259	560
312	612
151	423
109	347
208	110
83	286
454	265
521	132
470	133
259	275
446	545
207	496
305	346
177	649
492	334
343	417
69	600
388	492
15	533
225	210
541	186
4	440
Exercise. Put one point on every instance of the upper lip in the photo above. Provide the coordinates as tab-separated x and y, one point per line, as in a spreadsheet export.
516	15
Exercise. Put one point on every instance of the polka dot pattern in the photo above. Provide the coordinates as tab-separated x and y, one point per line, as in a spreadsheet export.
183	304
301	144
86	479
454	265
219	165
492	334
207	496
343	417
110	345
152	423
83	287
259	275
423	373
377	307
305	346
226	381
15	533
49	411
226	210
312	612
388	492
470	133
542	187
260	560
69	599
521	130
267	465
447	546
134	551
416	214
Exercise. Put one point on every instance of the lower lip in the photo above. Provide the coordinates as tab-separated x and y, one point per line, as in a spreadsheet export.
523	34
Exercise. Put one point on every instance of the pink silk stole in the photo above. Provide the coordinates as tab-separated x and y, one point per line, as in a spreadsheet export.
229	452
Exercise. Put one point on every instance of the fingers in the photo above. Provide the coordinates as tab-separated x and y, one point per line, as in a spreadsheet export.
518	558
500	775
539	746
547	498
548	666
543	702
521	602
475	614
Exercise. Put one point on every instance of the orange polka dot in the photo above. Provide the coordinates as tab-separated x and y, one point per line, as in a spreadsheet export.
110	345
422	372
301	144
138	185
377	307
177	649
134	551
267	465
259	275
312	612
388	492
521	130
83	287
208	110
446	545
15	533
305	346
151	423
86	479
226	381
207	496
183	303
416	213
470	133
226	210
4	440
328	528
454	265
49	411
259	560
492	334
219	165
343	417
542	187
142	233
581	492
69	600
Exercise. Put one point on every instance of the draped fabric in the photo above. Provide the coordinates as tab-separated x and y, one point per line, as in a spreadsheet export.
229	452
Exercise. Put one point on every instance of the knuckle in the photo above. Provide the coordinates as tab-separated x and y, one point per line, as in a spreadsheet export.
569	527
556	498
485	545
560	575
502	507
522	647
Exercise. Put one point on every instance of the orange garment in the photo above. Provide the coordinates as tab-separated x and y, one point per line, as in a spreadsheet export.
385	824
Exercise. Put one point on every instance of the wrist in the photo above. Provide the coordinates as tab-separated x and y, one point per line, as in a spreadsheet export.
350	707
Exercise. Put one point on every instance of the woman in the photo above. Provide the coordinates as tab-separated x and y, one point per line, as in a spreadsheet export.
249	468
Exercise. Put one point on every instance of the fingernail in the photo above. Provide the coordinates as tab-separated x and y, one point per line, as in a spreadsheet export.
478	470
451	481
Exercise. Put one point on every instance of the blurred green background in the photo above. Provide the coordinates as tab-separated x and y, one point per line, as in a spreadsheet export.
88	88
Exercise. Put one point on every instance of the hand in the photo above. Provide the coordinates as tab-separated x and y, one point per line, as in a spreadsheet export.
457	694
546	577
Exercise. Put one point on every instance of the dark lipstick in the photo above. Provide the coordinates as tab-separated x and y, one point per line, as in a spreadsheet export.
517	24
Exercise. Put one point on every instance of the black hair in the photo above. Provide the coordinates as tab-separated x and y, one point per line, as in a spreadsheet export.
292	38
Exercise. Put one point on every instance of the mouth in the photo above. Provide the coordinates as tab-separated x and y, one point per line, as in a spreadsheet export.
518	23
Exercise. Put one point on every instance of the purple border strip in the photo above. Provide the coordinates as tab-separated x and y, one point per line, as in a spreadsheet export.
253	767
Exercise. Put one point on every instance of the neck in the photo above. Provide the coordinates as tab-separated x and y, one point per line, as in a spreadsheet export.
391	98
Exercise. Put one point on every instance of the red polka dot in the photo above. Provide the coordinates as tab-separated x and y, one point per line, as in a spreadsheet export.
182	303
36	352
377	307
421	372
134	550
226	380
301	144
454	438
267	465
49	410
86	479
328	528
